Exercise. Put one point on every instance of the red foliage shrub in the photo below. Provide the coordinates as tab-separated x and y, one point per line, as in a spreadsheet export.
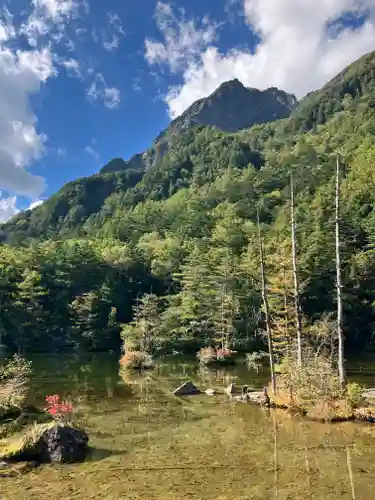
224	353
209	355
57	409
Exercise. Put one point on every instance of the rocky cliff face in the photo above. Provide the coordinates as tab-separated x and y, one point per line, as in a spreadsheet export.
234	107
231	107
135	162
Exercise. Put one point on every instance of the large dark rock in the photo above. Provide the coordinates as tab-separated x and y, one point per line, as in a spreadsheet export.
63	444
186	389
53	443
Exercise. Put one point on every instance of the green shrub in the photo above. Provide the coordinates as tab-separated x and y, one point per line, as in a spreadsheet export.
14	378
136	360
354	394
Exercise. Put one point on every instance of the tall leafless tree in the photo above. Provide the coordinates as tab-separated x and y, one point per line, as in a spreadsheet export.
340	333
266	309
297	301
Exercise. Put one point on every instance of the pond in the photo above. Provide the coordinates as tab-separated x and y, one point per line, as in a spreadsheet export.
147	444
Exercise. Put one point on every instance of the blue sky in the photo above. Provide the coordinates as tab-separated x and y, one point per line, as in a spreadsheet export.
83	81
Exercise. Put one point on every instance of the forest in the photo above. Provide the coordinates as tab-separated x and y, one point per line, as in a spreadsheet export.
177	244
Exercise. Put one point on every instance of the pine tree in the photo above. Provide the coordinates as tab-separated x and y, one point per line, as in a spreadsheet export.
200	300
281	301
28	309
224	317
143	332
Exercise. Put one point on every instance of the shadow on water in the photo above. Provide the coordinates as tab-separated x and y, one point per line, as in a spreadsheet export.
147	444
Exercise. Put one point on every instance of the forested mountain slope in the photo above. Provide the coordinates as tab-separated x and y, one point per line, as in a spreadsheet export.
192	214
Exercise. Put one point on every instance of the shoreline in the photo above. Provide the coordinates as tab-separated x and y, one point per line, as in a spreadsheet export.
361	414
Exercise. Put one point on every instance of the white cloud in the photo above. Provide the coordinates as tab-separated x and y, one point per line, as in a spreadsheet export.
49	17
136	85
111	97
21	74
56	10
47	27
298	51
7	31
35	204
112	45
91	151
72	66
99	91
111	35
8	208
183	41
116	22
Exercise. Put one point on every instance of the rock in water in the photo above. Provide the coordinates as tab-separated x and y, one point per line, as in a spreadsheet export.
256	397
186	389
51	443
210	392
64	445
231	389
369	395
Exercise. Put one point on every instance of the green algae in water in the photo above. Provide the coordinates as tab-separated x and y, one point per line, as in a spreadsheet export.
148	444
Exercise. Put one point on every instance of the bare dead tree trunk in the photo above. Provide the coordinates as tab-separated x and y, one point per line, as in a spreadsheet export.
340	333
266	309
297	303
286	315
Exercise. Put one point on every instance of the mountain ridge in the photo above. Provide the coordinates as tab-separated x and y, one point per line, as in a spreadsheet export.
230	108
200	154
271	104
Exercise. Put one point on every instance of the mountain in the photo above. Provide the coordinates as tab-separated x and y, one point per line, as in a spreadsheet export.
136	163
197	155
180	222
232	107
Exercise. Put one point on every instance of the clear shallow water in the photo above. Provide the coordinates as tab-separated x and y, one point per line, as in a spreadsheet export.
148	444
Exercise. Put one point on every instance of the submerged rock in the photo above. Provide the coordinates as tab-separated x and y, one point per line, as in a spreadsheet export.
186	389
260	398
256	397
50	443
365	414
369	395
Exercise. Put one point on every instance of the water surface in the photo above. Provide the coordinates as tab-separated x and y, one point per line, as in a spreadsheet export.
148	444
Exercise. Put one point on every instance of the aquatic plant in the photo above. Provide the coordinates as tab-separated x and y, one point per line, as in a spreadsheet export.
210	355
136	360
